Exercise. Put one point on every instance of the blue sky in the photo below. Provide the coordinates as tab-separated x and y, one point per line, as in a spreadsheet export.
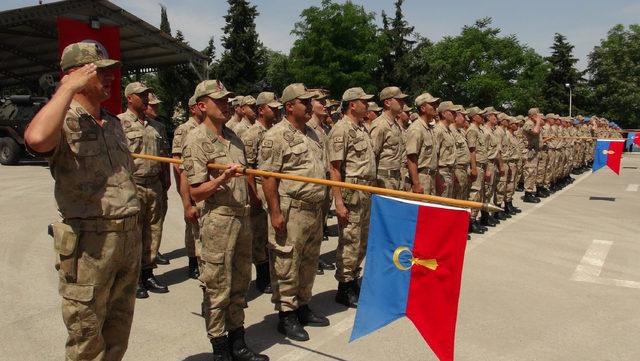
584	22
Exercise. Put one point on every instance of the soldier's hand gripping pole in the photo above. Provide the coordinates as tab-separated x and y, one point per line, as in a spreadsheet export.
330	183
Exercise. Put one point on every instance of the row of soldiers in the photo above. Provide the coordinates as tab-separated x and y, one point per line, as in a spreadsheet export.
113	206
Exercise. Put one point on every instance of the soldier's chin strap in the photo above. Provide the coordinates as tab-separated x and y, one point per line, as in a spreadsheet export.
330	183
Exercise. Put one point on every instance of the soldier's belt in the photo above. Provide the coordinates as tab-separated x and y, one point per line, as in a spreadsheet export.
389	173
103	224
427	171
146	181
305	206
362	181
229	211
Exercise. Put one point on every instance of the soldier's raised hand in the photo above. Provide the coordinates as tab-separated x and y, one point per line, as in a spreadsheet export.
77	79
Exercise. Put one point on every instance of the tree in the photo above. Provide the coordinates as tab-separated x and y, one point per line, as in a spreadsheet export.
561	71
241	66
278	71
336	47
395	47
614	67
164	20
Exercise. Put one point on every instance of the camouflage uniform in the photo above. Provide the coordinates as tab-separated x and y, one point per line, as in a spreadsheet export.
226	229
421	141
461	167
191	230
98	243
506	153
477	138
144	139
294	255
512	159
494	140
351	144
388	147
446	146
532	142
543	156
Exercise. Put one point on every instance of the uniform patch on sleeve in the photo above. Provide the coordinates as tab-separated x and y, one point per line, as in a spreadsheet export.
248	143
179	131
338	140
126	124
73	124
267	143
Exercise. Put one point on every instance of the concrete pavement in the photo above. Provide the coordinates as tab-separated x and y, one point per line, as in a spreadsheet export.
561	281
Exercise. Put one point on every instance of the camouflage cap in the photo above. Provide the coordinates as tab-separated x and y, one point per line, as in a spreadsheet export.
475	111
269	99
295	91
79	54
374	107
392	92
514	120
135	88
355	94
235	101
213	89
319	95
153	99
490	110
425	98
247	100
447	105
192	101
413	117
502	116
534	111
461	109
406	108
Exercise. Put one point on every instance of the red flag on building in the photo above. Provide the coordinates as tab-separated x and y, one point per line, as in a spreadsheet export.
108	39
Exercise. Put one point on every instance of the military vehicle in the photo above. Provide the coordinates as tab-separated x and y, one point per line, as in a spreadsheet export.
16	111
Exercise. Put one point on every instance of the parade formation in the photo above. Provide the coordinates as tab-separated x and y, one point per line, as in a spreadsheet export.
113	205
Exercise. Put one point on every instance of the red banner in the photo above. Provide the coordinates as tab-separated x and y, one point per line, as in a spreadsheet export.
107	37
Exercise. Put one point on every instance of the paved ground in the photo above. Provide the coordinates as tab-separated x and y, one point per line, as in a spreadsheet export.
561	281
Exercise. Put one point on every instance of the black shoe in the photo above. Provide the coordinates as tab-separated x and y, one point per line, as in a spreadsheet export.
239	349
161	259
501	215
520	187
325	265
309	318
506	213
540	193
319	271
530	198
546	191
152	283
487	220
221	349
347	295
141	290
290	326
474	227
263	279
492	220
514	210
325	232
193	271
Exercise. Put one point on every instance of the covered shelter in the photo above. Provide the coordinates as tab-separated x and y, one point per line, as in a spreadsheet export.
29	41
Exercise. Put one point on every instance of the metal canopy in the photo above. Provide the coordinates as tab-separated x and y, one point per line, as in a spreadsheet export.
29	41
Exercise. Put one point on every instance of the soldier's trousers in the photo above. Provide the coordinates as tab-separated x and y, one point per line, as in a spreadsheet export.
352	240
519	176
461	182
501	187
550	168
97	285
151	217
543	158
530	171
444	182
557	172
512	179
259	223
476	194
427	181
192	242
226	267
294	255
490	183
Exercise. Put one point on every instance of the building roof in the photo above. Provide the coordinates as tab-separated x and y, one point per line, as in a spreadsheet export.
29	41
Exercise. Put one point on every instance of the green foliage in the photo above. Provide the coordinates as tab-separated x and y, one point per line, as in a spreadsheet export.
242	64
278	71
336	47
561	71
164	20
614	66
396	45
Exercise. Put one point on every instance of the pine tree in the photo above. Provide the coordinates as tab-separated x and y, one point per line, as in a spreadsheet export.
562	71
164	20
396	43
241	66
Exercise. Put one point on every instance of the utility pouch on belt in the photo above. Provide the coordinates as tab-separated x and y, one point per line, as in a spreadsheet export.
347	195
65	242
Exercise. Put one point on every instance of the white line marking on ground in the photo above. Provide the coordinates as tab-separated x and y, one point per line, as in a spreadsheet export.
591	265
477	240
326	337
632	188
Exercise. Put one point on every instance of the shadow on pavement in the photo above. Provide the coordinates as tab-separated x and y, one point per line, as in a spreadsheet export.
174	276
199	357
176	253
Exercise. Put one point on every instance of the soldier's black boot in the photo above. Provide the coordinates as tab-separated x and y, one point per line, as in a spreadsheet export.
520	187
309	318
493	220
325	265
263	280
508	210
487	220
347	295
540	193
501	215
530	198
193	270
141	290
474	227
546	191
239	349
514	210
152	283
290	326
325	231
161	259
221	349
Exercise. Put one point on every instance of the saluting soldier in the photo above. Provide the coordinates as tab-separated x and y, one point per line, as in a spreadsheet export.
98	241
422	148
388	145
292	147
477	142
351	157
145	139
226	224
267	106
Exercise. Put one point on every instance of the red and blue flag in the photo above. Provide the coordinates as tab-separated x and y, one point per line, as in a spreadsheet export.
413	268
608	152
